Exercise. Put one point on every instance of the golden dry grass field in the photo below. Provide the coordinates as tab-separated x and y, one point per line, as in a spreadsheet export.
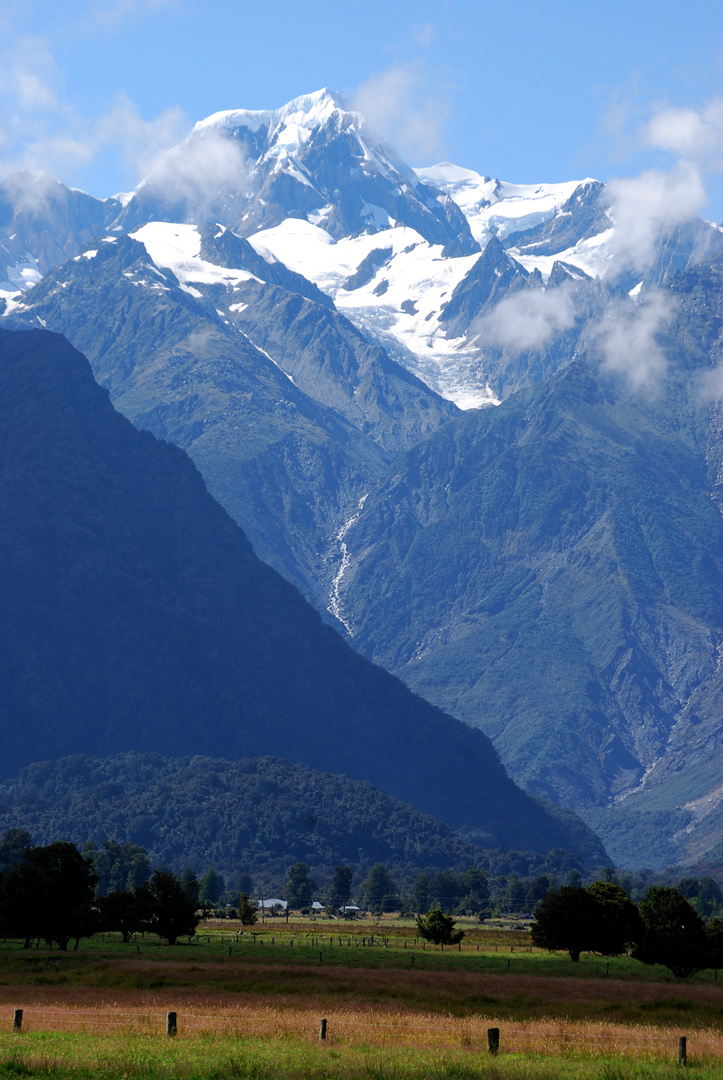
394	1010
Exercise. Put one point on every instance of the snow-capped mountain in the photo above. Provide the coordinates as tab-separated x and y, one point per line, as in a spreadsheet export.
315	158
43	223
314	187
283	296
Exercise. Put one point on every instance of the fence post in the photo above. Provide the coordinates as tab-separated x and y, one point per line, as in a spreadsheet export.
322	1029
493	1040
18	1020
682	1050
171	1028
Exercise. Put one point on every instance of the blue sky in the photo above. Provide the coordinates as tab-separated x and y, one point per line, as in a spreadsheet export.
93	90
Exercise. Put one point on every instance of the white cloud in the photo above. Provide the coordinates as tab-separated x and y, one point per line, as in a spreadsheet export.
644	206
527	319
626	339
139	141
408	107
41	129
424	35
711	383
694	135
197	172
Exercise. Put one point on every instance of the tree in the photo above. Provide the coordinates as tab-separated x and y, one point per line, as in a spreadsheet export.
439	928
538	890
475	889
245	883
617	920
420	894
170	905
247	911
714	937
564	920
444	890
118	866
708	899
211	886
123	912
14	846
379	890
340	890
49	895
190	885
300	885
673	933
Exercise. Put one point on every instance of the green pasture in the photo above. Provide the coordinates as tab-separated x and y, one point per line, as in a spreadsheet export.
83	1056
336	966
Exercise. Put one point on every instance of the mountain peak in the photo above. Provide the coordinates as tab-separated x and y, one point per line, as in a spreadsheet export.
314	108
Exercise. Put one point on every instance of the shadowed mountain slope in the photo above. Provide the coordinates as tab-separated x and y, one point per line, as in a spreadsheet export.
136	616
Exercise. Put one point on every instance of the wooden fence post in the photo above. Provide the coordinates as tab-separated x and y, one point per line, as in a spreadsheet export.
493	1040
682	1050
171	1027
18	1020
322	1029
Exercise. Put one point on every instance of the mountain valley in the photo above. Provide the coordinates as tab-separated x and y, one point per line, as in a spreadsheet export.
476	431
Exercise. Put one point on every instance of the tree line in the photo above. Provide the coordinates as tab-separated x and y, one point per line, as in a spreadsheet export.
49	894
663	928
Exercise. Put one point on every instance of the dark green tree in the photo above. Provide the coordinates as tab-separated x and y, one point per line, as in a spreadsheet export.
300	885
379	890
538	890
709	898
118	866
211	886
50	894
714	937
122	912
170	905
474	889
247	911
420	894
444	890
617	921
245	884
673	933
14	846
439	928
565	920
514	898
340	889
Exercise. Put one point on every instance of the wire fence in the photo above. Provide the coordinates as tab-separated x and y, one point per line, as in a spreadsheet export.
471	1033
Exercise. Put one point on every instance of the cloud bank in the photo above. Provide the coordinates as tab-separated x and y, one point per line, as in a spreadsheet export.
527	320
41	130
626	339
408	107
198	172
